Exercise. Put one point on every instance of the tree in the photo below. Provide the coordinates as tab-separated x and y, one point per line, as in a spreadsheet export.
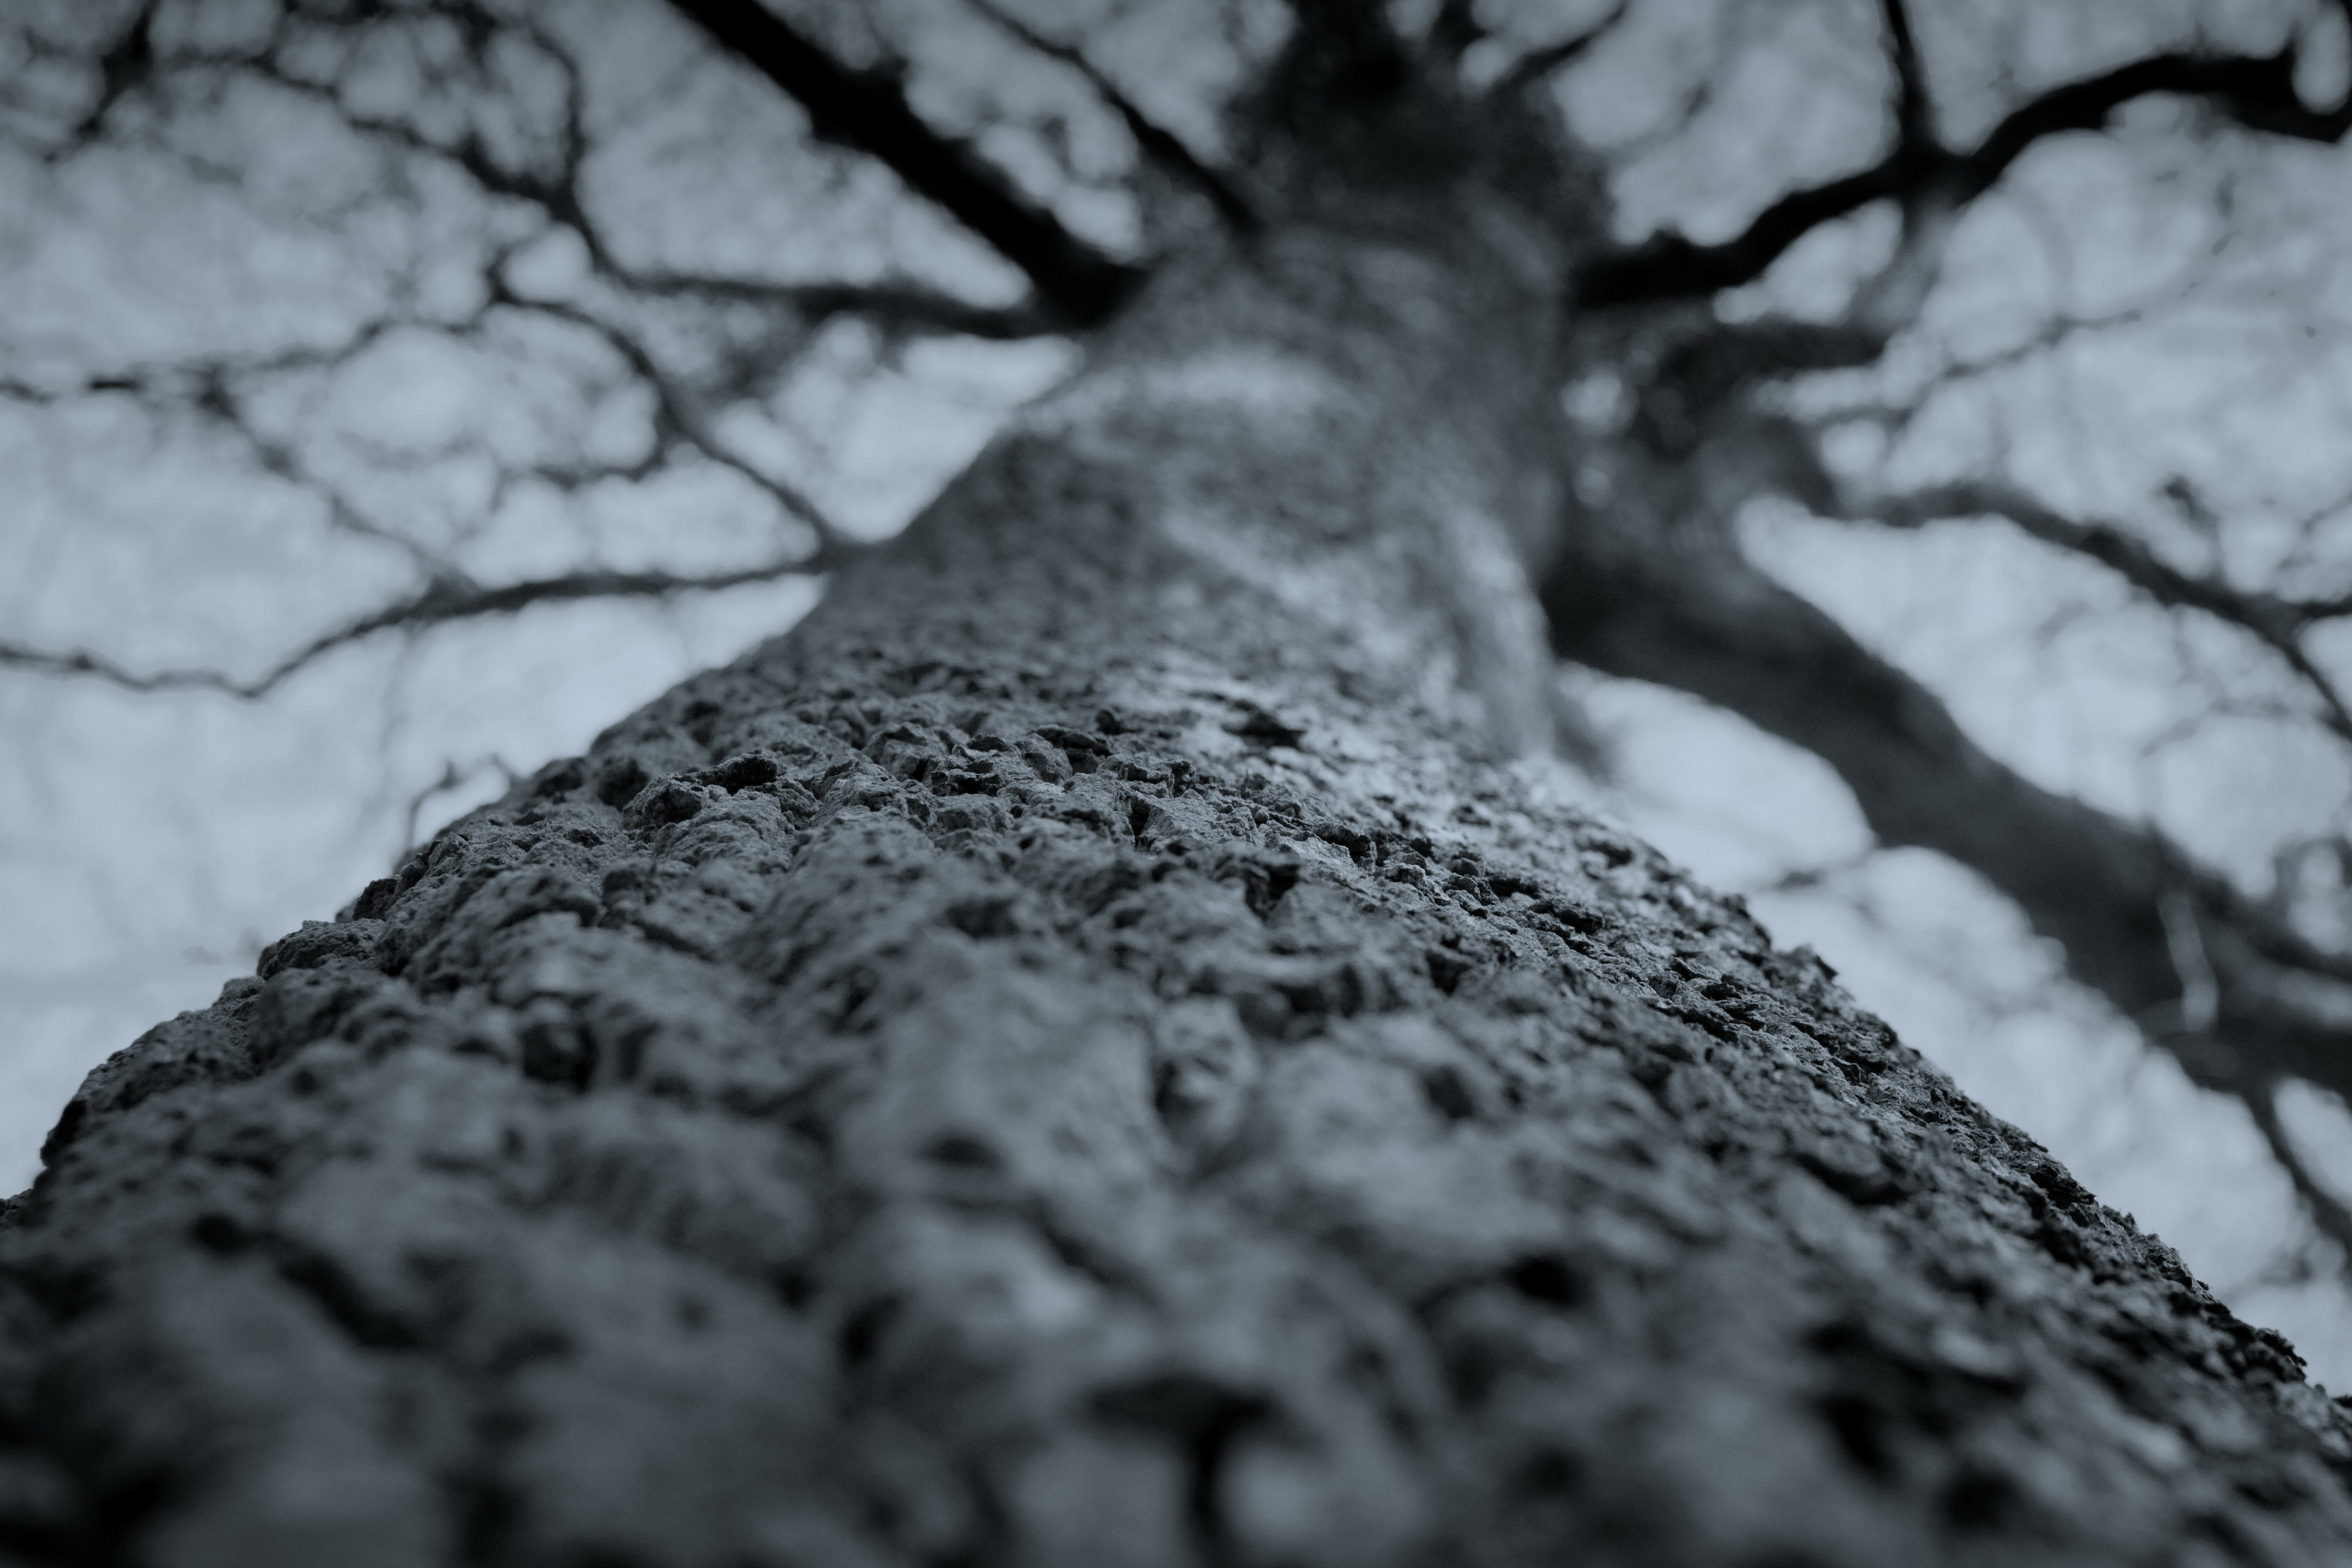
1087	1049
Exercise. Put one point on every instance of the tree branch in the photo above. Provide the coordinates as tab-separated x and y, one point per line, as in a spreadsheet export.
130	63
2277	622
893	306
208	387
2256	91
867	111
2327	1211
1159	146
123	66
1538	64
1691	613
679	414
447	598
1914	123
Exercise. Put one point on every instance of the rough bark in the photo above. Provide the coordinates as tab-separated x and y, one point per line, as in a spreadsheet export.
1087	1053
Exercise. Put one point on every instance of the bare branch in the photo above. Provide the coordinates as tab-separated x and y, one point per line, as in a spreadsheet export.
1702	618
1914	123
1159	146
869	111
1722	364
452	778
445	599
678	413
208	388
123	67
2334	607
2276	621
2327	1210
1538	64
1673	267
893	306
2256	91
900	305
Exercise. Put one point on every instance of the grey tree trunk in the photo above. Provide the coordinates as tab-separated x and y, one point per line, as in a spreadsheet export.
1087	1053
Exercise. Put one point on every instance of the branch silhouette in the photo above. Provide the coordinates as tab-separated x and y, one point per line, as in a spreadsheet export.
867	111
444	600
2111	892
2256	91
2277	621
1159	146
1538	65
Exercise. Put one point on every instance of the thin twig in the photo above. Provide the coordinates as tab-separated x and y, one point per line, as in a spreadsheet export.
897	304
1914	112
2274	620
2327	1211
445	599
676	409
2256	91
1158	144
1538	64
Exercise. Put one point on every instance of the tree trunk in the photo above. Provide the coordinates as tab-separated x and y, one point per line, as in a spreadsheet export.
1087	1053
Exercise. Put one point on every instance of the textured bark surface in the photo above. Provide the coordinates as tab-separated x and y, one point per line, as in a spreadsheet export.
1079	1056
